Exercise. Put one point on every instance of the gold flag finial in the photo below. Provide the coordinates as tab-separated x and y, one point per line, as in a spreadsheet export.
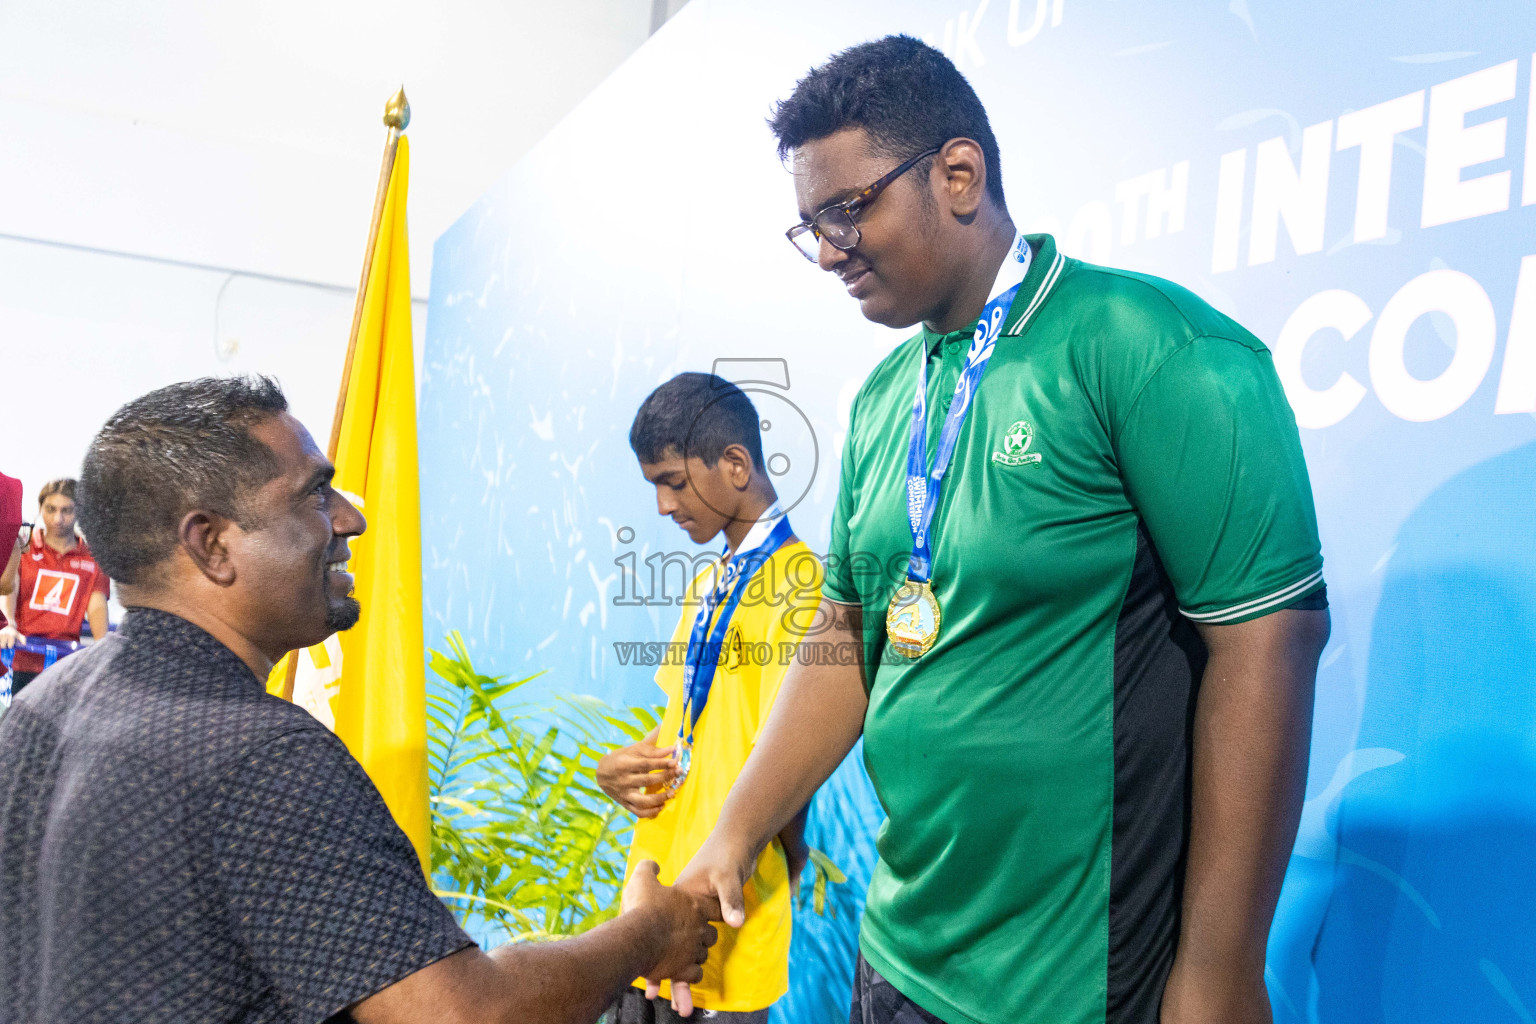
397	112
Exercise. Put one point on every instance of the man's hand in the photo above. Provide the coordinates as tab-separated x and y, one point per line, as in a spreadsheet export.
637	776
9	637
570	981
719	879
684	933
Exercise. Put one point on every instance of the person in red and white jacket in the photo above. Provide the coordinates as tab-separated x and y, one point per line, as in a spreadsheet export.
58	582
10	536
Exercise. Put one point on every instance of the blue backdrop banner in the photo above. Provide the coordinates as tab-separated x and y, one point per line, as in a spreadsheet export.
1356	183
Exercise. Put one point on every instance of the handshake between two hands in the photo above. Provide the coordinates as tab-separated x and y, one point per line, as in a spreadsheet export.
682	912
639	778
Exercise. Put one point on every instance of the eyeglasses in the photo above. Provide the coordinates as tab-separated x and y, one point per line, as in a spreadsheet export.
836	224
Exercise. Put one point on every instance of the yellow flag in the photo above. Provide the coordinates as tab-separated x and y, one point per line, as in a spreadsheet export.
369	683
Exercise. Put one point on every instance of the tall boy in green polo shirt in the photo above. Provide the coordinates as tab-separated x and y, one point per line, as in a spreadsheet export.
1086	694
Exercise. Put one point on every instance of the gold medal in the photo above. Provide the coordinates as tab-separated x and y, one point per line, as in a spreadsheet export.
912	619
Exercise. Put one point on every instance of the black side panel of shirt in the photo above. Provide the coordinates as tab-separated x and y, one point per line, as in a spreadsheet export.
177	845
1159	659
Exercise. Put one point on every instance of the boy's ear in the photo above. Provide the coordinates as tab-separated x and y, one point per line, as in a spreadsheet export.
739	465
964	168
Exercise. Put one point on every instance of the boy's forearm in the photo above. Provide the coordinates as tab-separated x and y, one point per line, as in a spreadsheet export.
96	613
815	721
1252	730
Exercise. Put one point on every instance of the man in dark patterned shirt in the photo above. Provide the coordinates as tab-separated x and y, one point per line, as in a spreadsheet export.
176	844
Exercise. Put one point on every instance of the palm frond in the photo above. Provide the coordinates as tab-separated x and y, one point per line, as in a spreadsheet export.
523	840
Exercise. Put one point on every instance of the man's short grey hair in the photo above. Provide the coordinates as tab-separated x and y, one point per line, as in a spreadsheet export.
182	448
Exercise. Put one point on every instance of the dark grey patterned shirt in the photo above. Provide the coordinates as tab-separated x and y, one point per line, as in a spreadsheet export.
176	845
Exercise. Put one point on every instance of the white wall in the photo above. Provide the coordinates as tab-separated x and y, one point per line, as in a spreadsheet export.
163	165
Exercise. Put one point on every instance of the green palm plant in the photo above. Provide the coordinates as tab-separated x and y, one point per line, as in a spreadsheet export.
523	840
521	835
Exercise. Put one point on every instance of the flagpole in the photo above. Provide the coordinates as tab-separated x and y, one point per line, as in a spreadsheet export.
397	115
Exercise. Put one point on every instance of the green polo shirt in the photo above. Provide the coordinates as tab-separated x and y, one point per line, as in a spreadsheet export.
1129	466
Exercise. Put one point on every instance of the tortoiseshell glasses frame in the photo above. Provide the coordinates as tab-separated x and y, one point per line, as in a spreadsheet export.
836	223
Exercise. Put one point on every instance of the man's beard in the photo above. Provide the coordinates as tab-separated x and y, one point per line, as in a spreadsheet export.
342	616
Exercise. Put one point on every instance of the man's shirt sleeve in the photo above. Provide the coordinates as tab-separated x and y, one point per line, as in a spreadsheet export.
322	888
1211	458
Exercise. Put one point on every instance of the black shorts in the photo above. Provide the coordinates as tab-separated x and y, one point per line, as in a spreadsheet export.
876	1001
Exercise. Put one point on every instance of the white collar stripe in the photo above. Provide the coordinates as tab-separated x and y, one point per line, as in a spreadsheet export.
1046	285
1014	270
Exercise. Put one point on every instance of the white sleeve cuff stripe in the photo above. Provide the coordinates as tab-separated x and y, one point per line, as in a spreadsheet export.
1247	608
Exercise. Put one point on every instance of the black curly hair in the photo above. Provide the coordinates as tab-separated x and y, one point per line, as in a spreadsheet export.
905	94
698	415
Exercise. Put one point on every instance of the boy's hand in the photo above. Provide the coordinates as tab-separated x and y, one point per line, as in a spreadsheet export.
637	776
796	860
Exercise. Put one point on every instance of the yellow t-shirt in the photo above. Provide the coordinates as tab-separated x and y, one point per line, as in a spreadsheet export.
748	968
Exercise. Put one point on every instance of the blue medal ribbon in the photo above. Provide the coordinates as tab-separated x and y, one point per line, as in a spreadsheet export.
924	484
704	644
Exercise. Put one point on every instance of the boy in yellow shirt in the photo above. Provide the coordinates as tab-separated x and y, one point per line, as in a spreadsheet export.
698	443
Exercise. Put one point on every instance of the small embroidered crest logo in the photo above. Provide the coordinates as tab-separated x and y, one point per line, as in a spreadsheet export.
1015	450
